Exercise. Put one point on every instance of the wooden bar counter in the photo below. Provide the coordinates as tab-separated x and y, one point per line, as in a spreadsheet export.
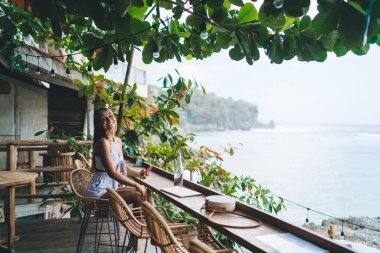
254	239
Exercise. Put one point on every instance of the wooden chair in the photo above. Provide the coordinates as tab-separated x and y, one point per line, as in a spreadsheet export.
92	206
82	163
133	220
176	237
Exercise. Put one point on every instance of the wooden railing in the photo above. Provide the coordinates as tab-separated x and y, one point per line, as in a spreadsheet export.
13	147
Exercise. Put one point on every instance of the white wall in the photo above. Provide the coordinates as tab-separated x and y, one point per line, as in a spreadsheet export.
23	112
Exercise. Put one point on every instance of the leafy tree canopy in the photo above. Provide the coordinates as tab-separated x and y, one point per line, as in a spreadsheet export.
103	30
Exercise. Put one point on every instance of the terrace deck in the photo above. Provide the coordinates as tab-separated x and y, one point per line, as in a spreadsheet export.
58	235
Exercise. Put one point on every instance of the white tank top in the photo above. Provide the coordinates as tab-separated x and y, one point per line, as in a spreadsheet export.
116	160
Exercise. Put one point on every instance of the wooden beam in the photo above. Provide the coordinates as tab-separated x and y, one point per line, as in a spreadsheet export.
42	143
45	196
50	169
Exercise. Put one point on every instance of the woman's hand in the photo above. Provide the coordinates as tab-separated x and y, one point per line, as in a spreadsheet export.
145	172
141	189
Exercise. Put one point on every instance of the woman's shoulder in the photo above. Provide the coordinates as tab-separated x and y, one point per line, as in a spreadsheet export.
101	143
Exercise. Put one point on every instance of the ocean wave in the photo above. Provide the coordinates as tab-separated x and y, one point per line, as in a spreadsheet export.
372	136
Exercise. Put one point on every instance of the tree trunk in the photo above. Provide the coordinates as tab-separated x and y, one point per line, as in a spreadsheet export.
126	79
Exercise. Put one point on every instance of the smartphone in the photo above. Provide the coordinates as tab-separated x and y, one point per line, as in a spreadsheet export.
147	170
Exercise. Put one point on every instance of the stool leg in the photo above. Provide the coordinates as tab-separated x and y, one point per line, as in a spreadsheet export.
146	244
83	229
109	232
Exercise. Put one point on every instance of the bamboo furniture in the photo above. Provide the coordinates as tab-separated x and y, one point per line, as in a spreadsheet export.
133	220
92	206
57	159
82	162
173	238
248	238
196	246
10	179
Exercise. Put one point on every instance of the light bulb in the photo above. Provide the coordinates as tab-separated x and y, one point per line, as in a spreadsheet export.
342	235
115	63
203	30
52	72
204	35
278	4
156	52
68	72
38	72
89	69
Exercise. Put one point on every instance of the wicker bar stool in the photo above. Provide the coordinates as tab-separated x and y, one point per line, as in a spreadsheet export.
132	219
173	238
196	246
98	207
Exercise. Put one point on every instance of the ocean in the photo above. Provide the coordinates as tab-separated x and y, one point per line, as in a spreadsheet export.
329	168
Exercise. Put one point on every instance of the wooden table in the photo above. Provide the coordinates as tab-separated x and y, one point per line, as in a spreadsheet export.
10	179
248	238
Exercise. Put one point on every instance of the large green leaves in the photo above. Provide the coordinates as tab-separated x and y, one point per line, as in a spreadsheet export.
247	13
328	17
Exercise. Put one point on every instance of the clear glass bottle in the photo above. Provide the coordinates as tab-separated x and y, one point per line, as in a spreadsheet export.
178	171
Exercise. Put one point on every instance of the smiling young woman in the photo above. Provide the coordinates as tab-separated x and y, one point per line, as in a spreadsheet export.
110	169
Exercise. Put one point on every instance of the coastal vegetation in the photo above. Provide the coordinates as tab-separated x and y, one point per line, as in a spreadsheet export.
209	112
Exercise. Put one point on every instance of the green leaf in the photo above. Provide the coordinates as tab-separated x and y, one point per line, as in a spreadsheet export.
328	17
187	98
237	2
223	39
288	22
247	13
138	12
219	15
361	51
39	133
296	8
305	23
340	49
163	137
215	3
236	54
147	54
104	58
193	20
351	27
276	22
7	25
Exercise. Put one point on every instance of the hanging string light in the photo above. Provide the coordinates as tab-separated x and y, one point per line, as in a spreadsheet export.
342	233
52	72
68	73
203	30
156	51
18	60
26	68
307	215
89	69
115	62
278	4
38	72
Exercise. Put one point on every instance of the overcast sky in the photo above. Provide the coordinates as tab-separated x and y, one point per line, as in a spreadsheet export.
341	90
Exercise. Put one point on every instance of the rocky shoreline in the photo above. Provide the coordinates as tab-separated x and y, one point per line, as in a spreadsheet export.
352	233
